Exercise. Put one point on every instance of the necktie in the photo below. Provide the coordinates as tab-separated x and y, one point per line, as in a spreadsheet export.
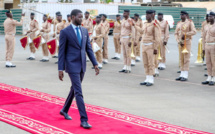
78	36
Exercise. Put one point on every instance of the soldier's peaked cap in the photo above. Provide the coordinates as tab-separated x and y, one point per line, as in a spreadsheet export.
212	13
126	10
149	11
57	13
32	13
136	14
160	13
184	12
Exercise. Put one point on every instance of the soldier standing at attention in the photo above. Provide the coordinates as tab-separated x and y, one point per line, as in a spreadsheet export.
185	29
55	22
10	32
68	20
44	32
34	26
208	41
150	39
105	47
88	23
164	36
116	37
127	37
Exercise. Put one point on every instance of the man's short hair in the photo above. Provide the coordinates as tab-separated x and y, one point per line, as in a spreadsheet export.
136	14
98	17
32	13
75	12
87	12
118	15
126	10
68	15
160	13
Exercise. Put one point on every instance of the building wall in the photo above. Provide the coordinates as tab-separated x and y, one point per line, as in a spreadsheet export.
1	4
16	3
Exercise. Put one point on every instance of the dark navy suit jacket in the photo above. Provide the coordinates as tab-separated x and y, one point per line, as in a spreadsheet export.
72	56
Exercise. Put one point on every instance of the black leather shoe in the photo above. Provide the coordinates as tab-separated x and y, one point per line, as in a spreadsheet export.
113	58
179	72
132	65
55	57
117	58
149	84
211	83
179	78
206	75
126	71
43	60
87	60
205	82
30	58
204	64
137	60
100	67
66	116
10	66
183	79
122	71
56	62
156	75
161	68
105	62
143	83
85	125
206	69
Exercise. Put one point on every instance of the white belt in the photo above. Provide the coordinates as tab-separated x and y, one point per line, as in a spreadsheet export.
116	33
9	34
125	37
210	43
147	44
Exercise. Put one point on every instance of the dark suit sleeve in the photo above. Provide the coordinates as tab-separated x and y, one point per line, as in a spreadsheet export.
62	51
90	52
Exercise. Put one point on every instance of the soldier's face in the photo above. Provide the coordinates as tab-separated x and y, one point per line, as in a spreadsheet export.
211	18
78	18
136	17
32	17
86	15
44	18
59	17
118	18
98	20
160	17
125	14
149	17
183	16
69	18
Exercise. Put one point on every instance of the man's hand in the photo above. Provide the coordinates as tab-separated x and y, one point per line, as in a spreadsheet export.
53	36
140	39
61	75
58	32
95	38
182	45
41	30
129	44
135	44
96	69
23	14
183	37
164	43
155	52
203	52
131	22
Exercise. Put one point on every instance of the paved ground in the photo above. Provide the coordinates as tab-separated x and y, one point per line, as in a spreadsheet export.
187	104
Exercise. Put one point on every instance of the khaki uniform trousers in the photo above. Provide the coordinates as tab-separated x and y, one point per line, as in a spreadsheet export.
10	46
210	59
163	53
126	51
185	58
31	45
148	59
99	53
117	44
45	46
105	47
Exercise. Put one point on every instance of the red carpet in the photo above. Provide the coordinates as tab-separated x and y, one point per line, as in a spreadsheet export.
38	113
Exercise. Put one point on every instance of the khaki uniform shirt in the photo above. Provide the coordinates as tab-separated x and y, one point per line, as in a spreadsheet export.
209	35
67	24
106	26
88	24
46	26
127	29
164	30
98	32
150	33
137	33
183	28
34	26
10	25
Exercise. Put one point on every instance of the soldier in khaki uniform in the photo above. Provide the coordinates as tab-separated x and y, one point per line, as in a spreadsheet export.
127	37
97	37
106	25
184	28
55	22
116	37
46	29
88	23
58	27
138	36
69	21
10	31
34	26
208	41
150	39
164	36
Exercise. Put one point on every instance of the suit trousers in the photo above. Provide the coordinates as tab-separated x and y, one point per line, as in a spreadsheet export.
126	51
76	91
105	47
185	57
210	59
10	45
148	59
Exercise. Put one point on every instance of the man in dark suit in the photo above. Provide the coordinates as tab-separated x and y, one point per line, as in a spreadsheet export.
74	44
